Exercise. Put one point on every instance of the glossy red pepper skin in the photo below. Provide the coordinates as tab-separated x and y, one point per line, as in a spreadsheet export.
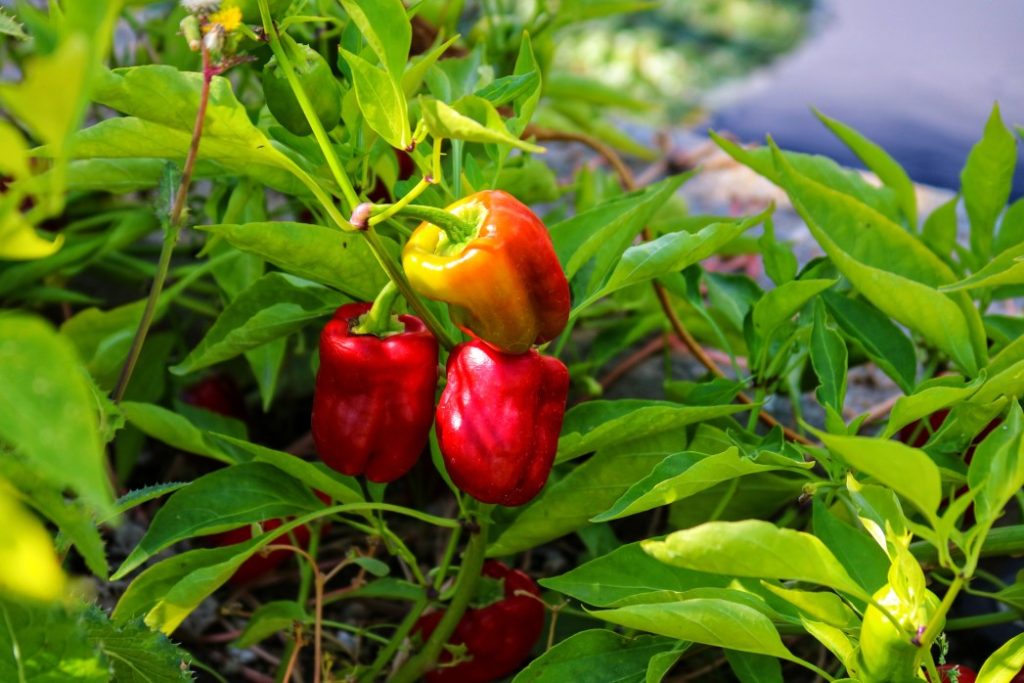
502	284
498	637
374	399
498	421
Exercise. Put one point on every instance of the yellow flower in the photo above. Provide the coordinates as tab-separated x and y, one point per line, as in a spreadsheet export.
228	18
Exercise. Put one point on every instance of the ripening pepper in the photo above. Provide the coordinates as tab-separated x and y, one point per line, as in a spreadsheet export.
374	398
498	421
502	282
498	637
888	654
318	82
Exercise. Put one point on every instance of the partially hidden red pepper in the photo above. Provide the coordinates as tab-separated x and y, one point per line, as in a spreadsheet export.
261	564
502	282
960	673
498	421
219	394
498	637
374	399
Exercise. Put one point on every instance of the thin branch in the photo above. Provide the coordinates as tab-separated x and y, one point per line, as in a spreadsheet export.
171	237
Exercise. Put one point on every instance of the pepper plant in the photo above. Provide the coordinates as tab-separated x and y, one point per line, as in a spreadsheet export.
309	340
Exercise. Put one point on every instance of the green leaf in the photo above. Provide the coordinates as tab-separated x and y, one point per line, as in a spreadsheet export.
9	26
943	393
708	621
822	606
751	668
74	520
473	119
780	262
606	230
598	656
507	88
326	255
1011	228
782	303
883	341
137	497
600	424
168	591
1005	663
829	360
986	181
222	500
568	504
755	549
679	476
381	100
907	471
627	572
939	231
173	429
859	554
136	654
161	103
42	644
272	307
878	160
386	28
314	475
892	270
818	168
266	362
997	470
669	254
47	410
525	102
1005	269
268	619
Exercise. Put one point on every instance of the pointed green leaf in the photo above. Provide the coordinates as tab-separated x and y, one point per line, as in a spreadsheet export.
755	549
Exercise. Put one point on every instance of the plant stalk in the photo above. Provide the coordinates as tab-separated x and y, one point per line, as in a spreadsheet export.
465	585
171	235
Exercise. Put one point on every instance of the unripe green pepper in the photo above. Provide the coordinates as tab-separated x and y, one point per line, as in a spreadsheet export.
888	654
317	81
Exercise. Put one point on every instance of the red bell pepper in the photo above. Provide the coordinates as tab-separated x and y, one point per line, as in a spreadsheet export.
374	399
498	637
498	421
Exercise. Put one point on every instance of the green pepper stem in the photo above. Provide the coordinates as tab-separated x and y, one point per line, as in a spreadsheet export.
378	320
457	229
465	585
396	275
